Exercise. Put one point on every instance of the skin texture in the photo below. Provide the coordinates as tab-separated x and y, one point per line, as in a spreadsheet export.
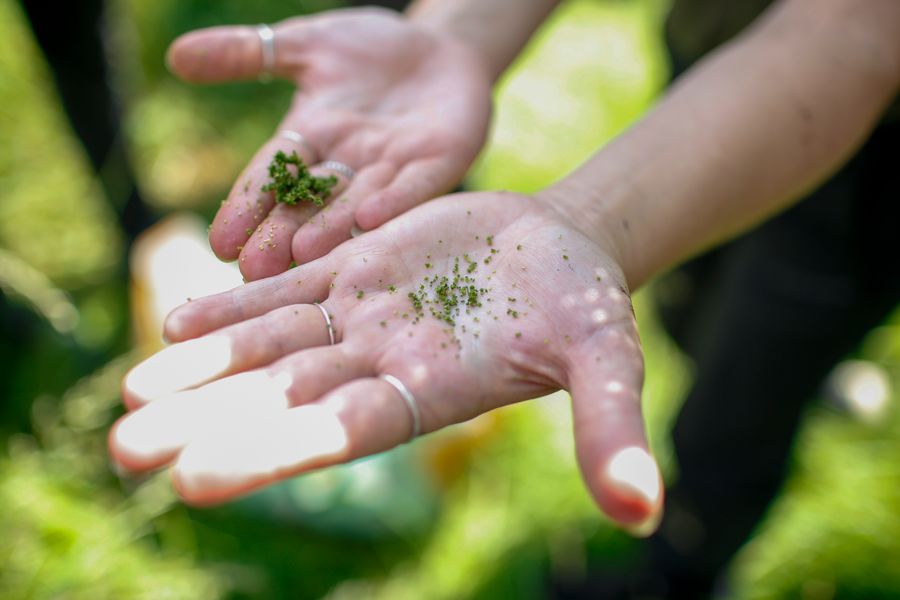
573	327
474	23
742	135
404	106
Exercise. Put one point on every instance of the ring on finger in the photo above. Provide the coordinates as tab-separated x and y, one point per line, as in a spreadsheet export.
267	48
411	404
298	138
328	325
339	167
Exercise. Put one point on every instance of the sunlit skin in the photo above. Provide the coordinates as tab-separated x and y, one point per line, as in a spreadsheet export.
556	315
404	106
271	399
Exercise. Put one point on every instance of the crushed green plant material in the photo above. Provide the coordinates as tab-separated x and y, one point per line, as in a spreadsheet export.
302	187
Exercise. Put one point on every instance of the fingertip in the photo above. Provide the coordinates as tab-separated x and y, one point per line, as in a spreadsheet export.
646	527
370	214
127	455
226	248
131	403
176	326
254	268
187	489
633	472
313	241
169	58
184	54
631	490
226	241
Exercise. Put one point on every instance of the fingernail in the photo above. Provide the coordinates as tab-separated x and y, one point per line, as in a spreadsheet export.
633	472
180	366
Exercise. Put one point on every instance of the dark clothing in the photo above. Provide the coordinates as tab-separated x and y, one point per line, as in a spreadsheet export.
71	37
765	318
696	27
768	317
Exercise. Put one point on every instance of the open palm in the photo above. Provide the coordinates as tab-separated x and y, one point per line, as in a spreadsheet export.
406	108
473	301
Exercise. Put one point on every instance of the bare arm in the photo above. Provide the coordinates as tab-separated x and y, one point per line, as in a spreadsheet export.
743	134
740	137
496	29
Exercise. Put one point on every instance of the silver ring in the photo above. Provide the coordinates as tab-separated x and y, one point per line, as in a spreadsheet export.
338	167
267	47
297	138
410	404
328	324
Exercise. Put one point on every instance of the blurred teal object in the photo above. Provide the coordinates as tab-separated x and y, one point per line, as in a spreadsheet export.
384	496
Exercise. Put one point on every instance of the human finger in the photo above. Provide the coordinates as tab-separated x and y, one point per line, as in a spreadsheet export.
247	204
417	182
360	418
240	347
241	52
301	285
605	379
268	251
152	436
334	225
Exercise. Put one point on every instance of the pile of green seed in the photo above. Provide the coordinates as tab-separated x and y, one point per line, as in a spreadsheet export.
302	187
446	297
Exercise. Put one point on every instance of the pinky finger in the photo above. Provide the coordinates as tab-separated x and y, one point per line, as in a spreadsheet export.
360	418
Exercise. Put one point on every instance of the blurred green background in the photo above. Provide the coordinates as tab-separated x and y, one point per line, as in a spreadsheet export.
505	520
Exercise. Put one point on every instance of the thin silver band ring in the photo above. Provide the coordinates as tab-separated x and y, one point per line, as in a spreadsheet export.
298	138
267	47
328	324
410	404
338	167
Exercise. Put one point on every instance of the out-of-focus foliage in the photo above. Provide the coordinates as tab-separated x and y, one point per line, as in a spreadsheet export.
46	185
66	531
515	514
836	531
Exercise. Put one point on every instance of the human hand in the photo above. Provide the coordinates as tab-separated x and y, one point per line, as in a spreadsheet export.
403	106
252	392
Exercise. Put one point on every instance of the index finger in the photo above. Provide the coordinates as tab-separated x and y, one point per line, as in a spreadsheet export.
247	204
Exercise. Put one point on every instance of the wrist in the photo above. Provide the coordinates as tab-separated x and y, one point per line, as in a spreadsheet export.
494	31
448	33
452	26
600	209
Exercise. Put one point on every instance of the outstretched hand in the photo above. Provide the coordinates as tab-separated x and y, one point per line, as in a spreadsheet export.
473	301
404	107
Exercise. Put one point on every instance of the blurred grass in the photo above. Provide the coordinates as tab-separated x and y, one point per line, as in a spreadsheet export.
71	530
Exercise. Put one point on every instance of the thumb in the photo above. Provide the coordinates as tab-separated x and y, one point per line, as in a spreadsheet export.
235	53
606	373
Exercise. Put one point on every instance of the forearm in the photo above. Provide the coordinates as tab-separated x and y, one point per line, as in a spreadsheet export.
743	134
495	29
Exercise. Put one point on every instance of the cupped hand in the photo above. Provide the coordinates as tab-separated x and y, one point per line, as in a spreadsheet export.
403	106
473	301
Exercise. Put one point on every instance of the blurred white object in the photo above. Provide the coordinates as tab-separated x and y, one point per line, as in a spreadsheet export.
172	263
862	388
